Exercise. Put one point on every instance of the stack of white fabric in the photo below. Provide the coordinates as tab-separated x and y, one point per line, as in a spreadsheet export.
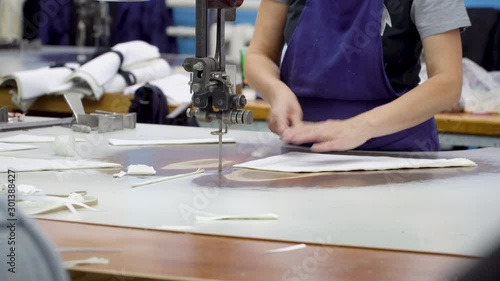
137	61
480	89
102	73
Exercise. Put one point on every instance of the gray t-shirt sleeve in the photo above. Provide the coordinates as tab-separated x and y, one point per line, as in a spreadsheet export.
433	17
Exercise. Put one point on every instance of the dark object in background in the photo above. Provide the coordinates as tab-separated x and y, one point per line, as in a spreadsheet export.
487	269
150	105
71	22
54	22
146	21
481	41
35	257
31	9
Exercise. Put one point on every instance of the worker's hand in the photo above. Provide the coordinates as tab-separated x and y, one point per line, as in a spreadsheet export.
285	111
330	135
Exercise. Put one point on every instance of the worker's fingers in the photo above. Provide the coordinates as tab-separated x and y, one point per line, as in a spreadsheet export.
327	146
295	119
277	125
303	134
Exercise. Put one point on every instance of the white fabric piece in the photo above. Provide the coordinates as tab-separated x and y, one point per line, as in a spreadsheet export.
4	147
300	162
27	138
122	142
11	20
287	249
162	179
91	77
32	164
35	204
237	36
121	174
176	227
87	249
140	170
21	189
143	72
175	87
25	189
64	145
92	260
269	216
386	20
76	196
28	85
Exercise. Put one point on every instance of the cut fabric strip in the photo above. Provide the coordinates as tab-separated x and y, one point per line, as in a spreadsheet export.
92	260
162	179
287	249
5	147
33	165
27	138
269	216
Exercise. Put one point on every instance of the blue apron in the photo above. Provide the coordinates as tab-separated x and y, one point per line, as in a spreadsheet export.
334	64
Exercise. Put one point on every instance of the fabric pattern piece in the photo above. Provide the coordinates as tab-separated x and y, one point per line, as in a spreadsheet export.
33	165
123	142
299	162
4	147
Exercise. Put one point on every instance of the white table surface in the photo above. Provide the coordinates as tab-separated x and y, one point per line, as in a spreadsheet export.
453	211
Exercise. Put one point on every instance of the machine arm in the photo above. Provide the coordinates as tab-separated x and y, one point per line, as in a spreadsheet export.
212	89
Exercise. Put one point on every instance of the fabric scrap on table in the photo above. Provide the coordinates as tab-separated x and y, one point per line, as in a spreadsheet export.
140	170
91	260
162	179
268	216
287	249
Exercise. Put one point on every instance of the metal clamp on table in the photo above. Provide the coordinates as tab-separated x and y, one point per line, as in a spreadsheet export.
102	121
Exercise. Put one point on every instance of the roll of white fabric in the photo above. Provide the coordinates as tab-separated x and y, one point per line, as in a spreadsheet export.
90	78
142	72
28	85
175	87
136	51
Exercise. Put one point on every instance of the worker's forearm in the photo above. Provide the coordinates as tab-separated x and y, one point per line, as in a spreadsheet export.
422	103
263	75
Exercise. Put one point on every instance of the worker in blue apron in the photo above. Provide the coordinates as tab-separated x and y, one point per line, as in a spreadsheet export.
349	78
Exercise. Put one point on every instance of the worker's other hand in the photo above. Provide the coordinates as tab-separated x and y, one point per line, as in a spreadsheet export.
285	111
330	135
